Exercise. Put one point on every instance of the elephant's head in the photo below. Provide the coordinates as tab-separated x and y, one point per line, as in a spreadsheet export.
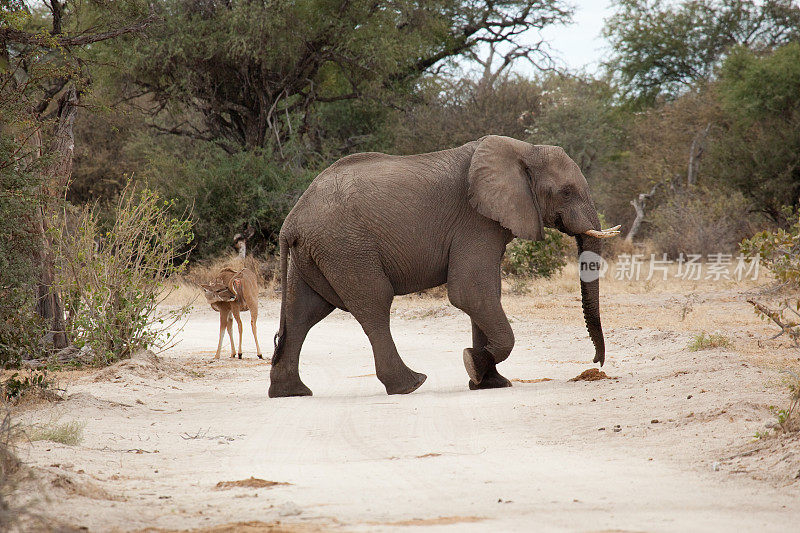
527	187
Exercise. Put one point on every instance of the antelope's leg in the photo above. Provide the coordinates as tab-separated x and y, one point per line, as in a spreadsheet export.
223	325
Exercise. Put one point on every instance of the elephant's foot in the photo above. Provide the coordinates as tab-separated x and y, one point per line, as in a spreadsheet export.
491	380
407	384
478	363
284	388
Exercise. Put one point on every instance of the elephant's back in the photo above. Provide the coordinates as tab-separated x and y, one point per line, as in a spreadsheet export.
343	182
397	213
363	184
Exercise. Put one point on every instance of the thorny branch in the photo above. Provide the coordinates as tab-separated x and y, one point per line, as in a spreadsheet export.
789	327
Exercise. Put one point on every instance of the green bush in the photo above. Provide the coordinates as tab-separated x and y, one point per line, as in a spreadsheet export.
540	259
15	386
779	253
226	192
113	278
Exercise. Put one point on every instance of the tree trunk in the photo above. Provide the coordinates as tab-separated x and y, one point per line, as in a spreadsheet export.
62	146
638	204
57	175
48	301
695	154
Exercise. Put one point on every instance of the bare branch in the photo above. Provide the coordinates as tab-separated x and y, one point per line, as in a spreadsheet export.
176	130
12	35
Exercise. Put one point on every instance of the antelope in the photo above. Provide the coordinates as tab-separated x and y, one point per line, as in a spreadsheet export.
229	293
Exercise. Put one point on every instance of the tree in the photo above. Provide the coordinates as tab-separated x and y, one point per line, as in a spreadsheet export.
455	111
247	74
759	151
579	114
42	80
661	48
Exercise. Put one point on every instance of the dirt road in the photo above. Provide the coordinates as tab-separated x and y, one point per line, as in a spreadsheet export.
666	446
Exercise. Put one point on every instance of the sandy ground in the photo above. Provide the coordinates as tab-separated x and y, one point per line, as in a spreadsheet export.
667	445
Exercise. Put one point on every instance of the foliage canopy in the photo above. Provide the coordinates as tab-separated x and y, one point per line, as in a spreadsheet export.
245	74
664	48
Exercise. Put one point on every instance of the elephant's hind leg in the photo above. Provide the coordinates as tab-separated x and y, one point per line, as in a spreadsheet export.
304	308
370	304
389	367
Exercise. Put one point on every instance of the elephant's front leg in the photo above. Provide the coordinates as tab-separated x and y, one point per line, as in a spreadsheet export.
473	285
491	378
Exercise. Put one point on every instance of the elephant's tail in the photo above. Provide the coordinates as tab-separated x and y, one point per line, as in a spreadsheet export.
280	336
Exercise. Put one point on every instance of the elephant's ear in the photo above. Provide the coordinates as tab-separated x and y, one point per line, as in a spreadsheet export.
500	189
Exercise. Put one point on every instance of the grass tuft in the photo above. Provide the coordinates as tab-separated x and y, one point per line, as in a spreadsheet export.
70	433
706	341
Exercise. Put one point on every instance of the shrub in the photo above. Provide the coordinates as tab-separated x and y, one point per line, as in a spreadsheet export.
540	259
778	251
113	279
226	192
451	112
700	221
15	386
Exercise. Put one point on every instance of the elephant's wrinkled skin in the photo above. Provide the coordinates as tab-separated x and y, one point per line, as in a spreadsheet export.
372	226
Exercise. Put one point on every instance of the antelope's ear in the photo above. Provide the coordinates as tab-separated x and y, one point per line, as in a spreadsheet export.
500	186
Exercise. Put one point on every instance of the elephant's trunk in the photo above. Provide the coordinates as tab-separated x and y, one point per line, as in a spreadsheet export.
590	294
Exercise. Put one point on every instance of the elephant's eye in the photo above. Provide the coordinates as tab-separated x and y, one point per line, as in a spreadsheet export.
566	192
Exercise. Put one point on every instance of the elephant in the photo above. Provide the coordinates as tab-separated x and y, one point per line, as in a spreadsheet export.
372	226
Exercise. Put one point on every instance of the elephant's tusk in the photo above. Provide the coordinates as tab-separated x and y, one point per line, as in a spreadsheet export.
604	234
